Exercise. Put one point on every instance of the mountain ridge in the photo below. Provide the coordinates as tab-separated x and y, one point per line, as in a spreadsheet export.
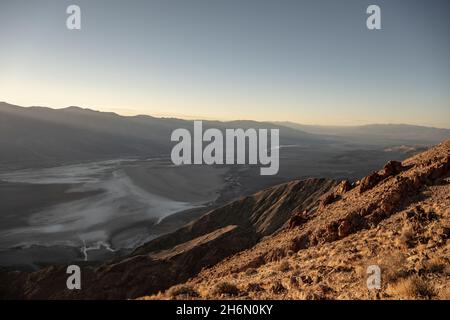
34	137
397	218
377	132
43	137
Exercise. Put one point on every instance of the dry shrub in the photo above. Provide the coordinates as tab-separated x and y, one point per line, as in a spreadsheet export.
412	287
447	270
435	265
297	271
444	293
275	254
254	287
406	238
393	267
278	287
225	288
305	294
284	266
290	253
182	290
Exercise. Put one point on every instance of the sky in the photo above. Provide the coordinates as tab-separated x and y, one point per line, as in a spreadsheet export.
312	62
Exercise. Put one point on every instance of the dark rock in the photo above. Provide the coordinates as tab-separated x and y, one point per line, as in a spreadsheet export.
369	182
392	168
344	186
329	199
297	220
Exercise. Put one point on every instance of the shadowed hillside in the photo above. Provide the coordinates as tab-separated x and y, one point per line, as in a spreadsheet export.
43	137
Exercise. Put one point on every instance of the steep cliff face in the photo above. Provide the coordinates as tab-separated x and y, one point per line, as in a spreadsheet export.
397	219
176	257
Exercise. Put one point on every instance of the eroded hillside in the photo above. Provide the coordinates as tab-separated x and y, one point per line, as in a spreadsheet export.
176	257
397	218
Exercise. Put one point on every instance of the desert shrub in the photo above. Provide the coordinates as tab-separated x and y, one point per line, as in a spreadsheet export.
447	270
182	290
276	254
290	253
393	267
225	288
412	287
407	236
284	266
254	287
444	293
435	265
304	295
278	287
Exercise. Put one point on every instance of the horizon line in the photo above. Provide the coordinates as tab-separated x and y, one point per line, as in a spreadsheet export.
205	118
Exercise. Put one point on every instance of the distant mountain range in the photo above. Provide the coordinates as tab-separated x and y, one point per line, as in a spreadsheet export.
377	133
40	136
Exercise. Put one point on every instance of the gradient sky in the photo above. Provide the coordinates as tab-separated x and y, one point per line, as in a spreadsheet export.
312	61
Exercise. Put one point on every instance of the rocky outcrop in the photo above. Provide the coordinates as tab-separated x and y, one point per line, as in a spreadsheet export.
391	168
329	199
298	219
344	187
390	197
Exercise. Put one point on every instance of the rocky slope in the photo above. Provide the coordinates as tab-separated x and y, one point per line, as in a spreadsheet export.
310	239
176	257
397	218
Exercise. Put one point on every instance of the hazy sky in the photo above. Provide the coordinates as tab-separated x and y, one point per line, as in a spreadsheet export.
306	61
